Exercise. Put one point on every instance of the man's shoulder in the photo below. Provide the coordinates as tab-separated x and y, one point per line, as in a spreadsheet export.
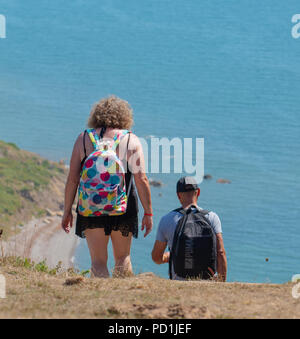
176	213
172	216
214	221
212	215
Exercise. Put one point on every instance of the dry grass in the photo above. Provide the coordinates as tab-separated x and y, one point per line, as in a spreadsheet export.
35	294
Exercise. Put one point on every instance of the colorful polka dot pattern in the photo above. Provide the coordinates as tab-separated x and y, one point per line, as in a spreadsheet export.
102	189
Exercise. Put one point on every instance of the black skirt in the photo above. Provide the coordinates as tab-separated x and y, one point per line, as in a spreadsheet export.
125	223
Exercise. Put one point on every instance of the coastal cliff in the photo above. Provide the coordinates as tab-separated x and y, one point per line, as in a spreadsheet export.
30	186
31	207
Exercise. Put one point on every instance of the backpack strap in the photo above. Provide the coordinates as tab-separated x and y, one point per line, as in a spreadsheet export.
203	212
170	265
84	146
102	132
183	211
180	210
94	138
189	210
117	139
131	175
84	149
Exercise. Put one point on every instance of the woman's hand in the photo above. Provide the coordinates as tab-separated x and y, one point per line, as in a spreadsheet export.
147	224
67	221
72	185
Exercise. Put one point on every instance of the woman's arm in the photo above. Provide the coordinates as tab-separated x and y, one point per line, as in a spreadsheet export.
72	185
144	193
137	166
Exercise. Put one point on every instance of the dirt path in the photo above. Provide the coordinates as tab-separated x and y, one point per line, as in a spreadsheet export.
43	239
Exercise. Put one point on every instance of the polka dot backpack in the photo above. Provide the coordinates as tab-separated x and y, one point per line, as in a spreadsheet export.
102	187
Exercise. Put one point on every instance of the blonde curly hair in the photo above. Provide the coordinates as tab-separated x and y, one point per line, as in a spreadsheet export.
111	112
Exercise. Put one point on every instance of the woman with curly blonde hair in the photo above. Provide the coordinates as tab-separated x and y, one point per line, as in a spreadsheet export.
110	121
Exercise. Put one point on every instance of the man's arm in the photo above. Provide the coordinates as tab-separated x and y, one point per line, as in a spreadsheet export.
222	260
158	253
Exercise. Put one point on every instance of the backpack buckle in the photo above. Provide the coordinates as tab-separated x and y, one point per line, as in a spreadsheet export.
105	144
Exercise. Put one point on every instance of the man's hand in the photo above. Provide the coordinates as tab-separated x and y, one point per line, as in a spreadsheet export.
67	221
159	256
147	223
166	257
220	278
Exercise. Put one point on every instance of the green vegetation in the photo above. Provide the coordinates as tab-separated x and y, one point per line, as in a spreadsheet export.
22	176
40	212
41	266
31	265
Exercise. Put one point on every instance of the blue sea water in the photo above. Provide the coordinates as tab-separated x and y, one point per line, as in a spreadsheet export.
225	71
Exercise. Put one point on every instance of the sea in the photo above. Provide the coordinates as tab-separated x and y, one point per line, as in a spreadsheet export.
228	72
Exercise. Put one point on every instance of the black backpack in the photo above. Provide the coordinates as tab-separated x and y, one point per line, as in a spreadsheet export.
194	248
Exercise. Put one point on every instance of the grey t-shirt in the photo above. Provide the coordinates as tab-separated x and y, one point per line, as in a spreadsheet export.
168	223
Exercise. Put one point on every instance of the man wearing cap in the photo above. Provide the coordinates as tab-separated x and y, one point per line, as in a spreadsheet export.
187	193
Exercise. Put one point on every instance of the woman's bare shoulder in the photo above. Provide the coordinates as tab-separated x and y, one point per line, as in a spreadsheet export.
130	141
79	138
134	141
79	141
134	138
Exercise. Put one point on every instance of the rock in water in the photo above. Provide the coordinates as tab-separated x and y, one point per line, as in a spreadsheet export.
207	176
223	181
155	183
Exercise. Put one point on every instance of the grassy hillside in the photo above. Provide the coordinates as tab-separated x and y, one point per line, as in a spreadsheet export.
32	186
35	292
24	180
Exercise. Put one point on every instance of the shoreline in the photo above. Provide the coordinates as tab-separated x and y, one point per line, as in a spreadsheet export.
43	239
